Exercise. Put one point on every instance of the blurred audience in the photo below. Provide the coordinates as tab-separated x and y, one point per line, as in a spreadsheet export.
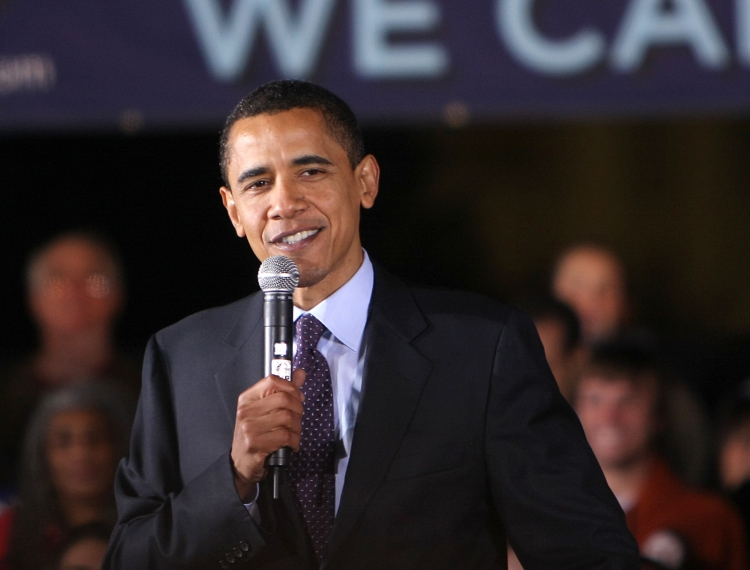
621	401
74	441
560	332
85	548
75	293
591	279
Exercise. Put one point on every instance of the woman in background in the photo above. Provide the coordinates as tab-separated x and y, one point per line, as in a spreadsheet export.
71	450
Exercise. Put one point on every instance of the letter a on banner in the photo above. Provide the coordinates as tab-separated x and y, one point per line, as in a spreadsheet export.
648	23
227	40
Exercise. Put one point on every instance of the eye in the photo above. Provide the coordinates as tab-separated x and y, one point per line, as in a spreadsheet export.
308	172
257	186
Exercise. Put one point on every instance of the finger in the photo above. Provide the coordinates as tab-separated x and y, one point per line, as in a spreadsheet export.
263	440
298	378
277	419
249	409
267	386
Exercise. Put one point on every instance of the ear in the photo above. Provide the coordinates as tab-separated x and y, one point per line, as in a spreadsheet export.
228	199
368	175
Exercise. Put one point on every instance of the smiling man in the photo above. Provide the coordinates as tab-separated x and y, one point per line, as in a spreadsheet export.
620	400
417	416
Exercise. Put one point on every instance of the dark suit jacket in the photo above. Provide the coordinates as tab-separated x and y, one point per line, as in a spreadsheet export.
460	418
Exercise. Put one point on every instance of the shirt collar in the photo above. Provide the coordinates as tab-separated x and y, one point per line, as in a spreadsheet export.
344	312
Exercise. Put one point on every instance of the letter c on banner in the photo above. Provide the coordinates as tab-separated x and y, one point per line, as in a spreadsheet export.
573	55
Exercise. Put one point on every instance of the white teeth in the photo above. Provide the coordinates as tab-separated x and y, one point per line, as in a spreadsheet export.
299	236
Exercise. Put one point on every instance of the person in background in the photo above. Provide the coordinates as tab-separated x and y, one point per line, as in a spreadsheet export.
74	441
75	294
590	278
560	333
85	549
620	401
734	449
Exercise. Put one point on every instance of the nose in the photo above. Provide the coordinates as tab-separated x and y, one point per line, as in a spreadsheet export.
287	199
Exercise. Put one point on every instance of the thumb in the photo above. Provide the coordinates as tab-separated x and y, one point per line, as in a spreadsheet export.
298	377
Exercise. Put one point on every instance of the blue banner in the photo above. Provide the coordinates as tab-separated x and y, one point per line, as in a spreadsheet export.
79	64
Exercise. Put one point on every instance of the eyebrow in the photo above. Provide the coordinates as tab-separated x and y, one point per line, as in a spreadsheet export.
252	173
311	159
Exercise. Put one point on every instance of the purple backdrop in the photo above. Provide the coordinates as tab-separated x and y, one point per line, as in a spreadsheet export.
168	63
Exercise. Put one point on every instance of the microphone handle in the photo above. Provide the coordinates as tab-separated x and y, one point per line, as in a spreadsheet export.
277	358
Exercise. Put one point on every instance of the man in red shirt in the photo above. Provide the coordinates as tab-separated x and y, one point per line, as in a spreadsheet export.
620	403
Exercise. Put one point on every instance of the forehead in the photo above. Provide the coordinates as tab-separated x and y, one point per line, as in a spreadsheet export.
286	133
77	418
590	263
72	255
619	386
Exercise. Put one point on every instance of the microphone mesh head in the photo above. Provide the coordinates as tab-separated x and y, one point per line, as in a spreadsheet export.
278	273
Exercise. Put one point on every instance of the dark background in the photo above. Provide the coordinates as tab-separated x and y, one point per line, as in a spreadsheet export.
156	196
482	207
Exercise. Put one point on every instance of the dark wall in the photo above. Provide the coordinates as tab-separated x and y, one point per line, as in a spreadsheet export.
157	197
485	208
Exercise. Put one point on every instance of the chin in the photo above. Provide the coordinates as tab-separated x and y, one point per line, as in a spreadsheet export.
309	277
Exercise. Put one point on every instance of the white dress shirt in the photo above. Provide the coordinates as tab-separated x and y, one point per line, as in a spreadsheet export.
344	314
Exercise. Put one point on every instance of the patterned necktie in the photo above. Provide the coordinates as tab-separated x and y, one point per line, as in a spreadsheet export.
312	469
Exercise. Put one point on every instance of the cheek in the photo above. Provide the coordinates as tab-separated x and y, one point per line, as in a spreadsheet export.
252	224
586	416
57	463
640	424
105	456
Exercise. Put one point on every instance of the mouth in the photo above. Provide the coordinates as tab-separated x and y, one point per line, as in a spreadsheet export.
295	238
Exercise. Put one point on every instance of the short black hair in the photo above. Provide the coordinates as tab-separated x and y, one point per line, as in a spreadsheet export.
287	94
627	355
547	308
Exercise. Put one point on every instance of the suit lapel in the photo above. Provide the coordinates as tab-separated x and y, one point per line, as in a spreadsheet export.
245	367
394	375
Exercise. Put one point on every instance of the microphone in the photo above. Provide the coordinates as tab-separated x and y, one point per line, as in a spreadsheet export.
278	276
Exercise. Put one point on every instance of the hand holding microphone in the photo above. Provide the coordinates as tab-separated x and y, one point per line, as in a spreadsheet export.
269	414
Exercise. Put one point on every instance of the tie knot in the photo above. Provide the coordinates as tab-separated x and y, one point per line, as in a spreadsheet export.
309	331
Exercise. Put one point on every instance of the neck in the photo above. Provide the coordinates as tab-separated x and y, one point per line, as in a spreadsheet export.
66	358
308	297
626	480
77	512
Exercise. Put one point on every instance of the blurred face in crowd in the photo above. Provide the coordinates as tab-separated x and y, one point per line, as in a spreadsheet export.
564	361
73	287
734	456
87	554
592	282
619	417
81	455
294	193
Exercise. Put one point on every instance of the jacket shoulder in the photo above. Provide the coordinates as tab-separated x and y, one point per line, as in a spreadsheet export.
448	306
459	303
211	324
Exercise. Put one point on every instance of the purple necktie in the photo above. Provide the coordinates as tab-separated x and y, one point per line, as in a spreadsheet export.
312	469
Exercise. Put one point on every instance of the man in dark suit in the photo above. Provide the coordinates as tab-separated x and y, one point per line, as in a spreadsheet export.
444	412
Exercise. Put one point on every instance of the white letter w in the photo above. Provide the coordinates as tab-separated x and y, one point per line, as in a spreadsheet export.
227	41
